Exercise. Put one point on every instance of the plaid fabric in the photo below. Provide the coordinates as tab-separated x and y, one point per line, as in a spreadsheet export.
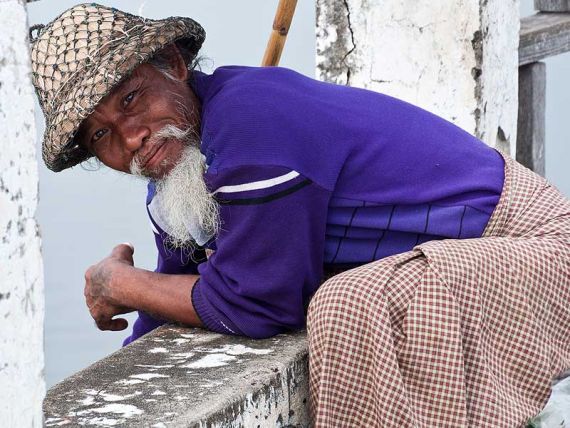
454	333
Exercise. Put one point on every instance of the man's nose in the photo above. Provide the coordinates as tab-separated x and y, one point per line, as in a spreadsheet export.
133	135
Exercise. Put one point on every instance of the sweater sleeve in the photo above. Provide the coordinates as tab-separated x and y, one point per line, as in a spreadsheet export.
268	253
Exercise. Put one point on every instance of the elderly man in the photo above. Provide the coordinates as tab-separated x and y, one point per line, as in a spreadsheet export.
451	303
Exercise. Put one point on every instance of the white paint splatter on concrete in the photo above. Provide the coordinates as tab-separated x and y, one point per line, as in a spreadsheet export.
93	394
224	355
180	341
158	392
127	382
125	410
102	422
181	397
147	376
158	425
241	350
154	367
212	360
181	355
87	401
53	422
158	351
212	384
113	397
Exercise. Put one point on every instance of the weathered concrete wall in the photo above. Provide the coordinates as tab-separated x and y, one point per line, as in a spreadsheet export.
456	58
21	280
498	84
179	377
552	5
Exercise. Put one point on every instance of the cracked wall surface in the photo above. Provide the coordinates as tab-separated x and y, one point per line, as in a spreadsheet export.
455	58
21	279
500	23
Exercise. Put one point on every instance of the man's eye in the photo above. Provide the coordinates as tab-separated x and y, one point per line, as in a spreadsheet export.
98	134
128	98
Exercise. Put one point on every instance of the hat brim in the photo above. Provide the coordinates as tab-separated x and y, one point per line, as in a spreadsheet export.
98	75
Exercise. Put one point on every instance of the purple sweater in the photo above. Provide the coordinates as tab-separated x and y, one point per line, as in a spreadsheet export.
310	174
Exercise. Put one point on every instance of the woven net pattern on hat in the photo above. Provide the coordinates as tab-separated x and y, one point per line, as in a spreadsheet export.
79	57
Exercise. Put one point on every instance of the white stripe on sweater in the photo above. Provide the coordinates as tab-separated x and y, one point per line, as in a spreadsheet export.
257	185
152	225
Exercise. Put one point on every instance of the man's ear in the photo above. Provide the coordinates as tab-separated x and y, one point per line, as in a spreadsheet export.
177	65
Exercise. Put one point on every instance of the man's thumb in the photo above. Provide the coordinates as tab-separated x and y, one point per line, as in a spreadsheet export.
124	251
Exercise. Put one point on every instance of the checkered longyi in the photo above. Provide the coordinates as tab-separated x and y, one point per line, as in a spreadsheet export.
454	333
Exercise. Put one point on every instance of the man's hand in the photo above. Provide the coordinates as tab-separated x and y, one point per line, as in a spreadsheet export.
103	288
114	286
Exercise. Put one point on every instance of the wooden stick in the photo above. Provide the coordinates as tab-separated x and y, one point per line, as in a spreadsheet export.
281	25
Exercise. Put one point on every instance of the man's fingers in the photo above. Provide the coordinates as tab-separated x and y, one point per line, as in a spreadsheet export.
118	324
106	323
124	252
88	273
101	323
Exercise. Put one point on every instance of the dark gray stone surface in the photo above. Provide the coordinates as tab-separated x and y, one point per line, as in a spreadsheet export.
552	5
179	377
544	35
532	116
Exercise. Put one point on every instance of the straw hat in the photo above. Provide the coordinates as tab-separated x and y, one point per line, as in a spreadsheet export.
80	56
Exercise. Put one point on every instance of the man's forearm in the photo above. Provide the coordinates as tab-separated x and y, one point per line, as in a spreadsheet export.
165	296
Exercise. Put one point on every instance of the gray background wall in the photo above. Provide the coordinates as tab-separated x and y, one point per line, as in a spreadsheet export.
83	214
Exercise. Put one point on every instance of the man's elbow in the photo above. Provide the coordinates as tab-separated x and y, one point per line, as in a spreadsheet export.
266	330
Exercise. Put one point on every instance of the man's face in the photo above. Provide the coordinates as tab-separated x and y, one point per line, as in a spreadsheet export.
122	128
149	125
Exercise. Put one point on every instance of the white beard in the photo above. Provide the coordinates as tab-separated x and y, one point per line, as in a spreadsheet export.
186	209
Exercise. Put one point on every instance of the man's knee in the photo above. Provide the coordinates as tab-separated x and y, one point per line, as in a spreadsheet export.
364	291
347	293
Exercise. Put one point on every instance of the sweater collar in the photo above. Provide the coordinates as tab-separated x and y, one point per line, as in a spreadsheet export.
201	84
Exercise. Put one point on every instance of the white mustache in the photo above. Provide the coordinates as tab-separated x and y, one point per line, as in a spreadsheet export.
170	131
167	131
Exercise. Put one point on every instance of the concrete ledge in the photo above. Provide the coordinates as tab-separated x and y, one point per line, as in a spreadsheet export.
179	377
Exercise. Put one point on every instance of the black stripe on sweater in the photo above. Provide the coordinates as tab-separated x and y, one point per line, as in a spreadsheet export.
268	198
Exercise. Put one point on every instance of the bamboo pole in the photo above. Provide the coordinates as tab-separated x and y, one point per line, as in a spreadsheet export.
281	25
